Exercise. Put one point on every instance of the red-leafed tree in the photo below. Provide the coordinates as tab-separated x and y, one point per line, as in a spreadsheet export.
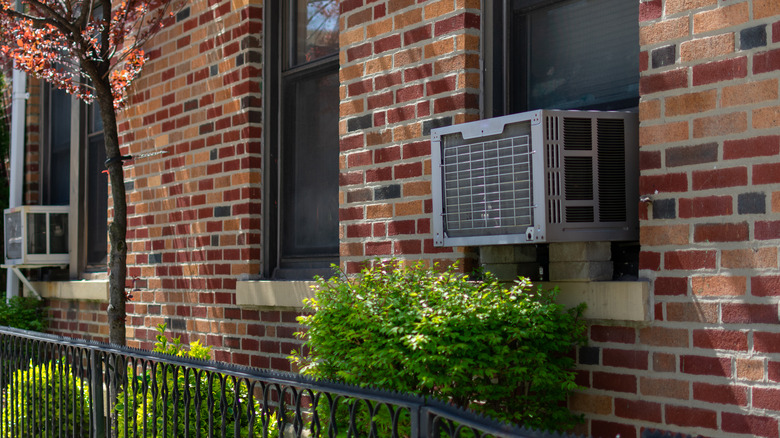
93	50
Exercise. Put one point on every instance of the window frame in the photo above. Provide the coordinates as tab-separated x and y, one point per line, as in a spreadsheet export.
279	71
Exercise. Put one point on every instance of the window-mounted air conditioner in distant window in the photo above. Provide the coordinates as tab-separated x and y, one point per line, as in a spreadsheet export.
36	235
534	177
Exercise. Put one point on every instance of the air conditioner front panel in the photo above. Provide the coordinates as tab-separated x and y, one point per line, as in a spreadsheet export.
535	177
37	235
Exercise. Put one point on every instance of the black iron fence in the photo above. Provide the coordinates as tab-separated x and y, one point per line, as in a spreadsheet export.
59	387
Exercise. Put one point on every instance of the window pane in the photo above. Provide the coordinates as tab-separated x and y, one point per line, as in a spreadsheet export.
316	28
59	147
584	54
310	167
97	201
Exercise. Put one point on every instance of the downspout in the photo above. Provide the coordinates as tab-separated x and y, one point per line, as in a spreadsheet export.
16	177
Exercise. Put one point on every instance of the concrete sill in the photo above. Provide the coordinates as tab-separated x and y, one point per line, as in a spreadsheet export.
287	294
95	290
607	300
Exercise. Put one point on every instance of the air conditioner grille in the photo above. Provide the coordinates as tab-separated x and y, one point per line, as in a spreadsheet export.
578	178
487	186
611	172
577	134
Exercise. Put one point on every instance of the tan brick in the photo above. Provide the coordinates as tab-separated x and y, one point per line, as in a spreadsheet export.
439	48
692	312
467	42
590	403
650	109
666	133
407	132
407	56
351	107
765	8
691	103
664	31
776	202
408	208
351	249
727	16
766	118
667	388
708	47
351	72
378	211
379	28
663	235
664	362
407	19
751	92
417	188
379	65
750	369
720	125
677	6
749	258
718	285
438	8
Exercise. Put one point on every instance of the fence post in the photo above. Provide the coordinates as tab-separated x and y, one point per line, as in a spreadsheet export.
96	391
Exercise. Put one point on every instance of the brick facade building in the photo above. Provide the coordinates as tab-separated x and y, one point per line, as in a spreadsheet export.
242	98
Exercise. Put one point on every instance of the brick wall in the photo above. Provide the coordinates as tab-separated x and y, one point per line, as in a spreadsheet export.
406	67
709	142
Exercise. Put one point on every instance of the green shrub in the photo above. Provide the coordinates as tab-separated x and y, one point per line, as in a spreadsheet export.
503	351
143	406
22	312
46	400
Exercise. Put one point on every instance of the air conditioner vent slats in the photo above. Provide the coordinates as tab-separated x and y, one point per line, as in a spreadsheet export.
612	175
577	134
578	178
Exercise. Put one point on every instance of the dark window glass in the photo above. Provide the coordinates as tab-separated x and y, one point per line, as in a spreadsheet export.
57	179
97	191
310	167
574	54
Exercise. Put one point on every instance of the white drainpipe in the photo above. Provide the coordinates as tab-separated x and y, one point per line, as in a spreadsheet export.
16	176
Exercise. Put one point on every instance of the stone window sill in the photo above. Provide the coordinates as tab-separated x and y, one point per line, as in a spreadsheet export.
94	290
606	300
285	294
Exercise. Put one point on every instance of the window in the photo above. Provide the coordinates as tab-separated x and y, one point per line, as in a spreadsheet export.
563	54
302	143
71	174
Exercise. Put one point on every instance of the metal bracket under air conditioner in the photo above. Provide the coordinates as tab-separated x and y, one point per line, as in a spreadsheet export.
23	278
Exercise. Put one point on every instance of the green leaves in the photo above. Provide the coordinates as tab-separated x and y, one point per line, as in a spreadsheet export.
503	350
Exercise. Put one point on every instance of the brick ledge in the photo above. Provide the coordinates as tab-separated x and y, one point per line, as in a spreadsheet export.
95	290
273	293
607	300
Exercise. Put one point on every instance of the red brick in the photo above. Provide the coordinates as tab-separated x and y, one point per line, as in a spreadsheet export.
625	358
670	182
774	371
765	286
766	342
650	10
348	5
721	394
458	22
707	366
690	260
719	71
391	42
402	247
638	410
720	125
361	51
408	170
720	340
664	337
751	147
622	335
665	81
670	286
690	417
350	214
360	87
378	248
599	428
766	173
749	424
720	232
649	260
412	92
766	398
418	34
719	178
741	313
649	160
443	85
614	382
705	206
390	153
455	102
767	230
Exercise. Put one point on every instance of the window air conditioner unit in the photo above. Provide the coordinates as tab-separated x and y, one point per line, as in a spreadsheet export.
535	177
36	235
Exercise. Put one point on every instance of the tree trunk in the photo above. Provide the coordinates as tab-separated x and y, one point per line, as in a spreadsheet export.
117	229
